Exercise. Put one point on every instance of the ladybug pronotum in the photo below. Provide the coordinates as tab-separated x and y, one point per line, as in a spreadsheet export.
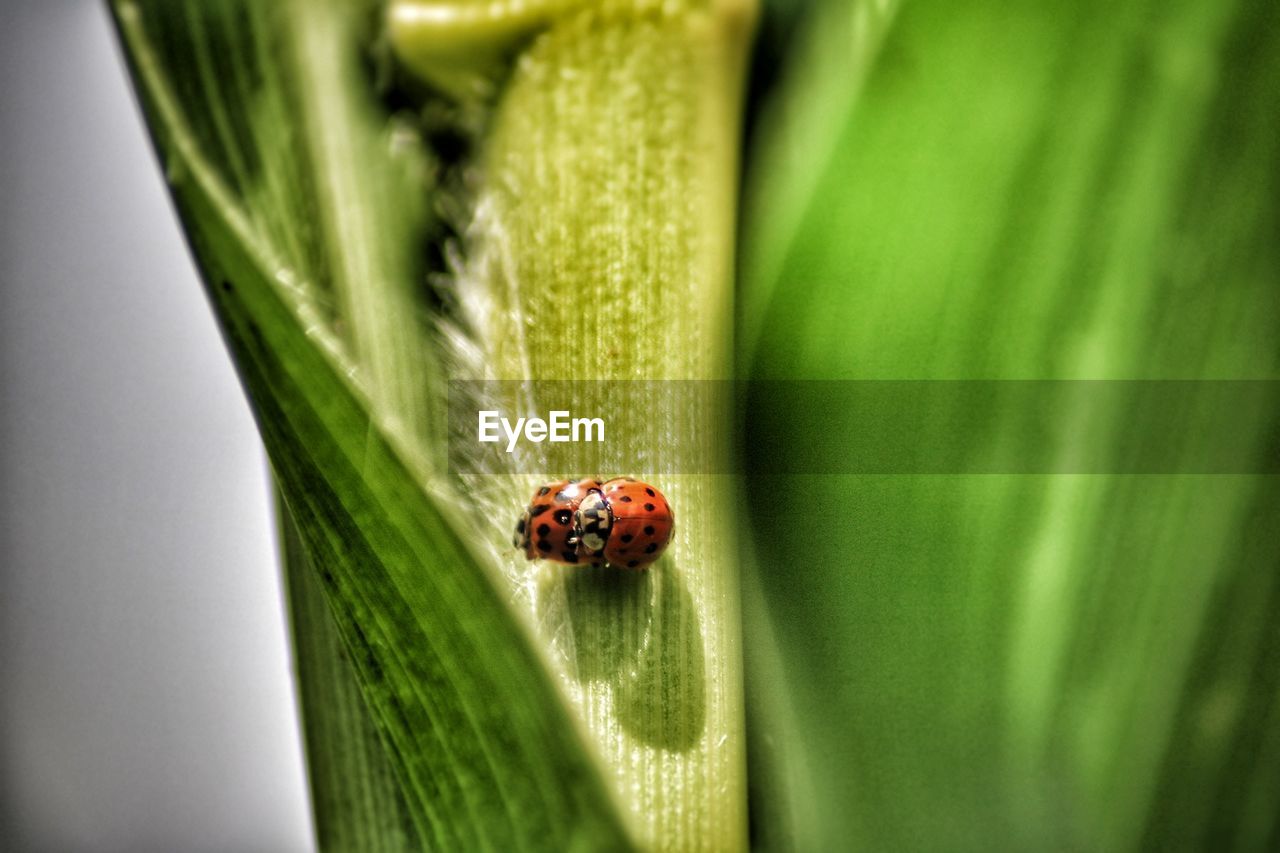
622	522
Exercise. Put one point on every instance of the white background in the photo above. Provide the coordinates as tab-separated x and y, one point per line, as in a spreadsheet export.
145	693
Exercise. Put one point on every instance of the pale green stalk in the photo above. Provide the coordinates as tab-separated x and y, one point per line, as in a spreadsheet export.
602	249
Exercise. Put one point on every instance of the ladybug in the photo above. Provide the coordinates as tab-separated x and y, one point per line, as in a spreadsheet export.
548	527
622	521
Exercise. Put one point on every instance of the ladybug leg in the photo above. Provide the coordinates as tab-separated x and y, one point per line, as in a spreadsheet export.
520	538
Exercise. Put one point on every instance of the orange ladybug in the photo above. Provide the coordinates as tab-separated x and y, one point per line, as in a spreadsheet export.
623	522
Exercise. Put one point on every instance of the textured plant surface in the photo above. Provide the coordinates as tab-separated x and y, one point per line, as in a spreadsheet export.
385	200
563	213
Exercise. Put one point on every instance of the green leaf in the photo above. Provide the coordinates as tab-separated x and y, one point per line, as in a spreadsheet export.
564	212
287	222
1034	190
357	804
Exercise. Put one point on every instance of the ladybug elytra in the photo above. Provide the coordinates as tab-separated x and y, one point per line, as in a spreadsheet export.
622	521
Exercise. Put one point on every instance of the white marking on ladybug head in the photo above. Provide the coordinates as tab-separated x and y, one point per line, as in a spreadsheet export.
592	522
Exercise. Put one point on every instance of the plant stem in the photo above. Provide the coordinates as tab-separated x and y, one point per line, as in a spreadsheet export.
601	249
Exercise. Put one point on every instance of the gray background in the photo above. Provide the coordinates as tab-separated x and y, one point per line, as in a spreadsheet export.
145	694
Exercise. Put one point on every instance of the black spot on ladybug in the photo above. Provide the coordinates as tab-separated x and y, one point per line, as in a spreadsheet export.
539	510
544	546
633	564
627	537
651	547
570	557
648	530
626	499
543	490
648	507
563	516
544	530
649	492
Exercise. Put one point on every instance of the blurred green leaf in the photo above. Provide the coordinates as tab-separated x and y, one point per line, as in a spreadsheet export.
1032	191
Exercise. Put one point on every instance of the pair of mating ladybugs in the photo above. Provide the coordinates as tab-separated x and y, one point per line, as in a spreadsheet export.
622	522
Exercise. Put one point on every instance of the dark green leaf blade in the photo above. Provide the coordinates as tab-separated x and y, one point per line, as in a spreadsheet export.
357	804
473	725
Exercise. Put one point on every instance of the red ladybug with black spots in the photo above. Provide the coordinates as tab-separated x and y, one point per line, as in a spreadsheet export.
622	522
